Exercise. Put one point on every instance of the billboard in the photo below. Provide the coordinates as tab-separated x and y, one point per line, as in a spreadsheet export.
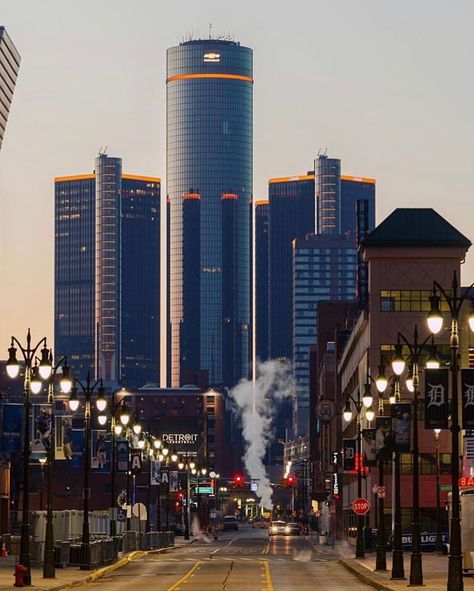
184	434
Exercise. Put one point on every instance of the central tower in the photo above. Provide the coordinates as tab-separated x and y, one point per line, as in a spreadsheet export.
209	184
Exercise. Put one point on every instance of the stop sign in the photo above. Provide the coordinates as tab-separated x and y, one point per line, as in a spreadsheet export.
360	506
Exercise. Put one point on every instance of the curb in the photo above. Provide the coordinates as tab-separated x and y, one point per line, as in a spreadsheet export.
105	570
361	573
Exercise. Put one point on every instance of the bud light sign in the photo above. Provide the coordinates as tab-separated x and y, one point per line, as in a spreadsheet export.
428	539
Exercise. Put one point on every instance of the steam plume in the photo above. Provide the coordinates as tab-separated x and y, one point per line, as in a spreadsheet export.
256	401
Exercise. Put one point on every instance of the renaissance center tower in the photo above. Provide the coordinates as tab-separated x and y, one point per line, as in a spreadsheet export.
209	189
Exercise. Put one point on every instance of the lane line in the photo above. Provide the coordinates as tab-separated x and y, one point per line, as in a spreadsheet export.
268	577
265	550
184	578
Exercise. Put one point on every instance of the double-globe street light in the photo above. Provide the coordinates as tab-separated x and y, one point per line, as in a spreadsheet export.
454	301
416	352
359	404
44	371
87	389
187	464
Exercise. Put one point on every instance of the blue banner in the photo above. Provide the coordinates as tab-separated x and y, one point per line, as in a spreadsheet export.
12	427
77	444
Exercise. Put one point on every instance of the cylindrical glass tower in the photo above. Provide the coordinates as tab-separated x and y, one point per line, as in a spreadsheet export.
209	154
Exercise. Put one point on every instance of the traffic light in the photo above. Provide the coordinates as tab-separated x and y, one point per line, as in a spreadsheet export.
291	481
238	480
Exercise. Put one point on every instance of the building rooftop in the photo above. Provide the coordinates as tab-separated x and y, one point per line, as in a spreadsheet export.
415	227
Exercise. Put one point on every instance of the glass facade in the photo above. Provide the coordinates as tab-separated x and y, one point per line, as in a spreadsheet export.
354	189
9	66
209	152
327	173
324	268
291	215
74	270
261	262
107	265
140	280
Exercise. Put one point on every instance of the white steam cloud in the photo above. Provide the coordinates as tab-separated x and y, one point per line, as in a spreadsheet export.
256	403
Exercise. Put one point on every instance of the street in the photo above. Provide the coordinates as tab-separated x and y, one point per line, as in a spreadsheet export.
237	561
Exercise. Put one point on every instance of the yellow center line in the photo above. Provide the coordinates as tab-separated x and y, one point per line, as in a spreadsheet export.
268	577
185	577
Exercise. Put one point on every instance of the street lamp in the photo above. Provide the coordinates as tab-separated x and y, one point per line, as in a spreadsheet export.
116	428
13	369
416	350
439	540
187	465
65	386
369	414
88	389
435	323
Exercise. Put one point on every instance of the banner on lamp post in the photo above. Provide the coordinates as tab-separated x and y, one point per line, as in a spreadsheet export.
467	381
349	454
383	428
436	398
368	447
401	419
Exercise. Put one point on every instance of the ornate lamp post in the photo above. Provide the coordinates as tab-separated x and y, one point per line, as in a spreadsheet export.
454	301
369	415
120	417
44	370
416	350
88	389
439	540
187	464
65	385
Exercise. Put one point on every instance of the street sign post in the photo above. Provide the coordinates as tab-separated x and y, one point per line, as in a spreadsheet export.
360	506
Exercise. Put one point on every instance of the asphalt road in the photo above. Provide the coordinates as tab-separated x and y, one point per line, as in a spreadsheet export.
238	561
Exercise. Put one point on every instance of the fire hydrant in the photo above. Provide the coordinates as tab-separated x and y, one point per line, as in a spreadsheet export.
20	573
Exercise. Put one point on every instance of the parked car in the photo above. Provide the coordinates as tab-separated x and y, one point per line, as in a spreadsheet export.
230	522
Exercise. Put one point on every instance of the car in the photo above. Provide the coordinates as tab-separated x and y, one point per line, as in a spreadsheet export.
277	528
292	529
230	522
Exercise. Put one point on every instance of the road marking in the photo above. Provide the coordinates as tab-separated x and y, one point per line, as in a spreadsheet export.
265	550
185	578
268	577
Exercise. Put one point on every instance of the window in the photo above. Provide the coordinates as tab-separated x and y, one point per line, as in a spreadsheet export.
415	300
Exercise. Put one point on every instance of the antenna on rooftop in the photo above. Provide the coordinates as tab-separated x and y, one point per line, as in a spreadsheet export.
210	30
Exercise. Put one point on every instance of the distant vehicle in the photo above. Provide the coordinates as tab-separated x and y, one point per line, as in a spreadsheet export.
177	528
230	522
277	528
292	529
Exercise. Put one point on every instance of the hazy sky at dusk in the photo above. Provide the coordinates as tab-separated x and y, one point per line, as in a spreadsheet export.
386	86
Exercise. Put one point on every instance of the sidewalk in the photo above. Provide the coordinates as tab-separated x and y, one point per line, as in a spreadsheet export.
65	577
435	572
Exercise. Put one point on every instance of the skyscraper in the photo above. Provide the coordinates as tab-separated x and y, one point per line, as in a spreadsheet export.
9	66
209	154
291	215
107	265
324	269
261	262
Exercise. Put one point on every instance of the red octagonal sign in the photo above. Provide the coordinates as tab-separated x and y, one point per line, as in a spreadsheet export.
360	506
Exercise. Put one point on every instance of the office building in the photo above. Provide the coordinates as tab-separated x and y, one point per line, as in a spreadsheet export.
261	271
209	154
9	66
324	269
291	215
107	268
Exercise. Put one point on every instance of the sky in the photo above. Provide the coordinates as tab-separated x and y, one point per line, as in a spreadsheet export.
386	86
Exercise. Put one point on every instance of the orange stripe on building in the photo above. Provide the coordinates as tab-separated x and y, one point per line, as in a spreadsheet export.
75	177
198	76
225	196
191	196
261	202
357	179
138	177
288	179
